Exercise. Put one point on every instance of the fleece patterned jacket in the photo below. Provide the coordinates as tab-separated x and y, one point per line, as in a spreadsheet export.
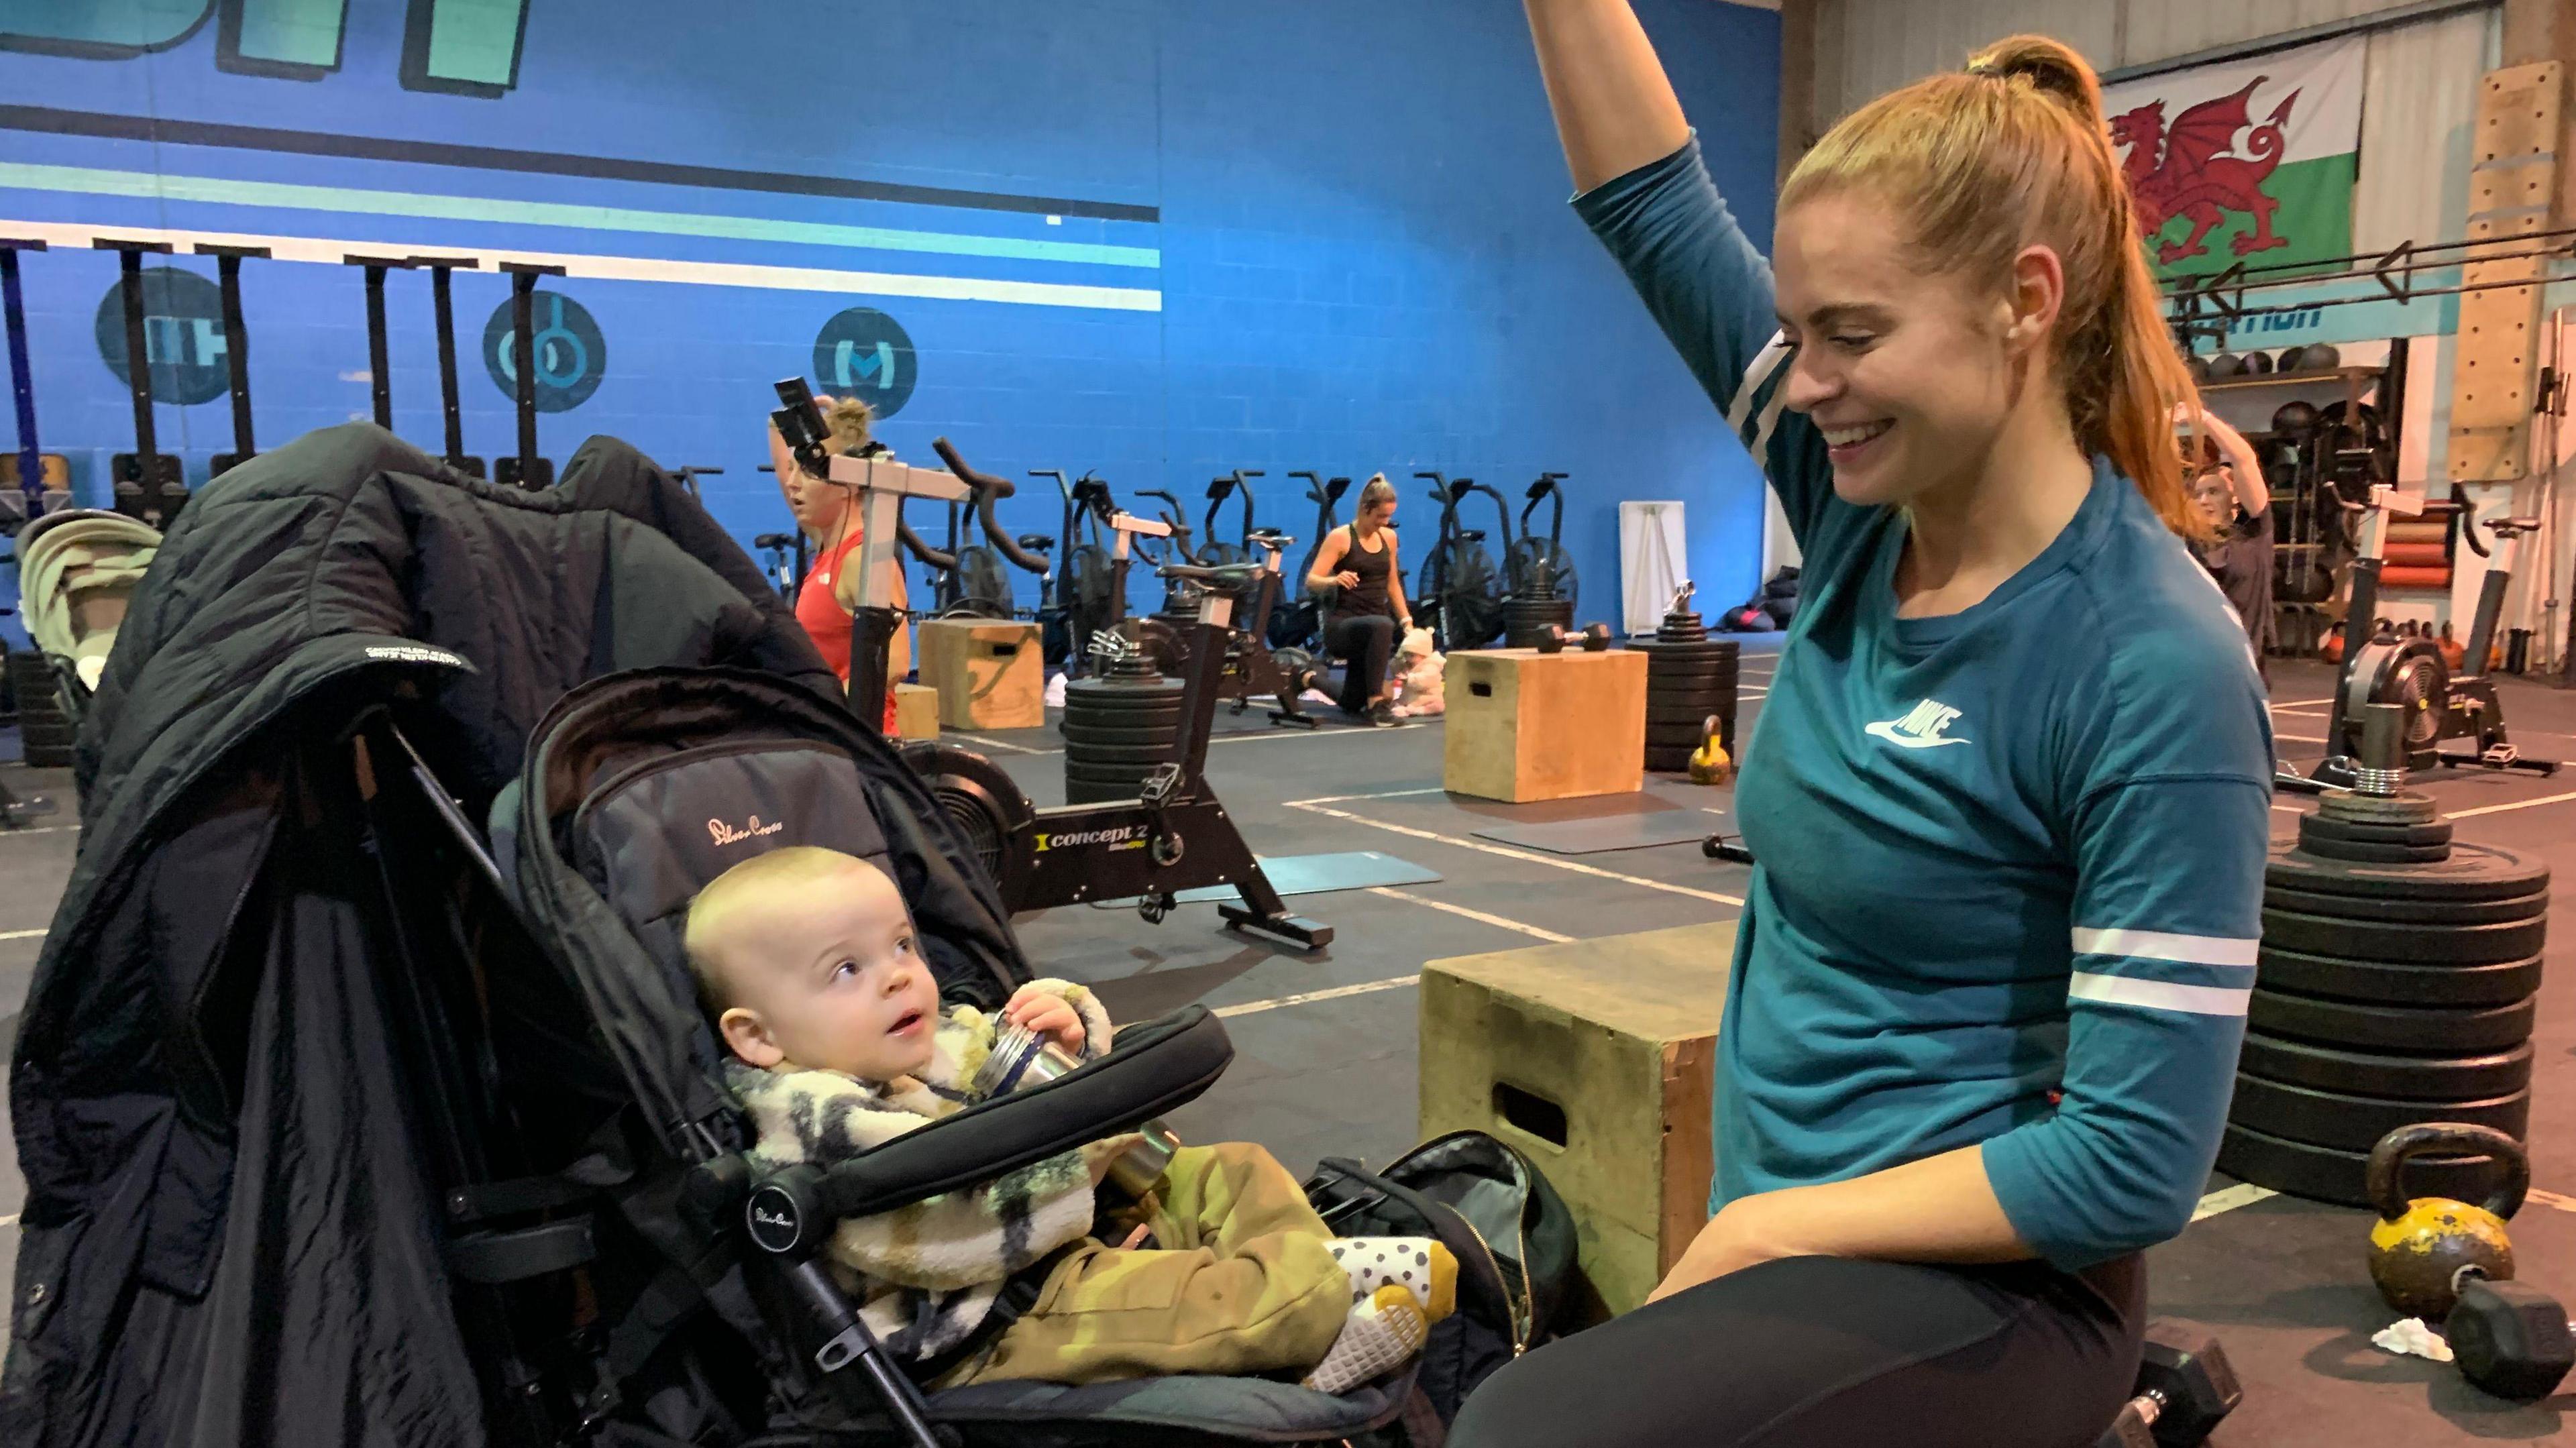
926	1276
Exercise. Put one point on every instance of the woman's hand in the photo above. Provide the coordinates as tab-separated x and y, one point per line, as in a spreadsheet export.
1347	579
1741	1235
1047	1014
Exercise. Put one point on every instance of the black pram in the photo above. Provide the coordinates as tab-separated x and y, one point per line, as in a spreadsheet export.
339	1129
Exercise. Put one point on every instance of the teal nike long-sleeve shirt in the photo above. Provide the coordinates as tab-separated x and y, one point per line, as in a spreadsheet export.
2011	859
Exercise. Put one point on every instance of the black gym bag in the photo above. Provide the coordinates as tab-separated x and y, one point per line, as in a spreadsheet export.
1495	1212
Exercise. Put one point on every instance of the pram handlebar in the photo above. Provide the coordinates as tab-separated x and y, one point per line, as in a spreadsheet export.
1158	1066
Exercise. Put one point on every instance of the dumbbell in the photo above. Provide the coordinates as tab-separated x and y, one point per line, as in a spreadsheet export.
2185	1387
1593	639
2512	1340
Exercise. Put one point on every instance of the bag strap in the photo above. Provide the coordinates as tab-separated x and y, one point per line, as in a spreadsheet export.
670	1299
1341	1187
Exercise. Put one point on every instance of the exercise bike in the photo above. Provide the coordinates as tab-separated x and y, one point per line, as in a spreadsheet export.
1176	836
1253	669
2408	671
1539	567
1215	552
1459	587
1300	625
785	557
1074	602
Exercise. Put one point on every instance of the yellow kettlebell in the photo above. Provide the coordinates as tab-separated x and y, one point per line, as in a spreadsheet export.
1708	763
2421	1245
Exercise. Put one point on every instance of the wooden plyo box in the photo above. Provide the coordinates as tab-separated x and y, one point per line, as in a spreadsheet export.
916	711
1597	1058
1526	726
988	672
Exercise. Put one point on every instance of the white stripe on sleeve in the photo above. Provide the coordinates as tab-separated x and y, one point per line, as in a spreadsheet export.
1756	372
2157	995
2164	945
1761	444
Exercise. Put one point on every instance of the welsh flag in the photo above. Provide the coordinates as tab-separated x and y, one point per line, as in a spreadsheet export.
2250	159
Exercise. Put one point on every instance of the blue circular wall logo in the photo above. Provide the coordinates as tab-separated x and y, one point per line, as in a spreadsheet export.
571	355
866	354
183	335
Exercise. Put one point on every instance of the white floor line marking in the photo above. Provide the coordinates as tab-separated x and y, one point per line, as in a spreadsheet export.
9	834
2550	1199
1336	993
2461	814
2301	738
2287	809
1388	794
1248	735
2304	704
10	1220
1751	693
995	743
2228	1199
1508	854
1445	908
20	934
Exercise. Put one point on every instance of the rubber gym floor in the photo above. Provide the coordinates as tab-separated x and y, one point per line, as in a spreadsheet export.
1325	1045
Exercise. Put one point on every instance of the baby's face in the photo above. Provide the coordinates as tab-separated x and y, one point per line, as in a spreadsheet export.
831	979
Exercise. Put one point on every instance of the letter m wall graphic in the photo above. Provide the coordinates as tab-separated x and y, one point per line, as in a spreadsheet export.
459	47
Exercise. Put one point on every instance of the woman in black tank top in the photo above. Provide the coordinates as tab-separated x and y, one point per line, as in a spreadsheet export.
1358	571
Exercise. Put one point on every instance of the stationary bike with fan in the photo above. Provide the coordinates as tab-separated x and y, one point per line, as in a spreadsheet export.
2440	705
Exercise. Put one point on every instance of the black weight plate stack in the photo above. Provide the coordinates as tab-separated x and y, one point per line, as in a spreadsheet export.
44	726
2390	989
1117	728
1527	620
1689	677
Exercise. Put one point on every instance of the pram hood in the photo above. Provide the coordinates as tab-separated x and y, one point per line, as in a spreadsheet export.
205	1087
77	571
641	787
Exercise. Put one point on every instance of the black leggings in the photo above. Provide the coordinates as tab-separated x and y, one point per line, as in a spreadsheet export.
1835	1353
1364	643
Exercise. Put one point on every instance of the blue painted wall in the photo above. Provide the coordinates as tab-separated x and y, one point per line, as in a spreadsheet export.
1359	256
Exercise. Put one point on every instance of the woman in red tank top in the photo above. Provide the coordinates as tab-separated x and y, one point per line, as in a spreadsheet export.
825	515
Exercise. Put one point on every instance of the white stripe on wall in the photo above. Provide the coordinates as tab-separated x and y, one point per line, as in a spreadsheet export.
2157	995
582	267
2164	945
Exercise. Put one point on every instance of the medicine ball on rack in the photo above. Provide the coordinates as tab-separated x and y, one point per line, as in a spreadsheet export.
2319	357
2294	419
2223	365
2258	364
2196	365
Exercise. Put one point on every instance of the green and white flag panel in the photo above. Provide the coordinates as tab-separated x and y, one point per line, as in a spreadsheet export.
2250	160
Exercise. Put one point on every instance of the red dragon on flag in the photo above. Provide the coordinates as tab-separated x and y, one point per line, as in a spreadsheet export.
2187	170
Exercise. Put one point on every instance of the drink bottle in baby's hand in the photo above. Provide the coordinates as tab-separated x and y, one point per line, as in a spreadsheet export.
1022	1058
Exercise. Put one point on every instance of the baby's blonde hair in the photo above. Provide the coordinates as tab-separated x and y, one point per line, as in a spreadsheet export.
759	881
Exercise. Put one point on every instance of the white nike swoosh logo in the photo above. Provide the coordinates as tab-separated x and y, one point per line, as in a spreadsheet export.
1908	741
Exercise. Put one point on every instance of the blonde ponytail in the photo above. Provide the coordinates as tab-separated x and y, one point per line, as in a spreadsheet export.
2012	153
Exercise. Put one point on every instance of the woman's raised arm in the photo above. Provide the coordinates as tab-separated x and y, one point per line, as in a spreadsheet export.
1615	111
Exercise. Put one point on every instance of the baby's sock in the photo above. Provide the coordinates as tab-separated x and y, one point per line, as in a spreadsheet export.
1419	1264
1382	1332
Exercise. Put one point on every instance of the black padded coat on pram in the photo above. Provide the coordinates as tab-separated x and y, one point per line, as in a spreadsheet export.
324	1143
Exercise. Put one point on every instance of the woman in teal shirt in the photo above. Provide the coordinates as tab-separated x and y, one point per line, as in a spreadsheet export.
2009	792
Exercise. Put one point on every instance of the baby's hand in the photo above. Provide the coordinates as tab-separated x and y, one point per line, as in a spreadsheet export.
1049	1015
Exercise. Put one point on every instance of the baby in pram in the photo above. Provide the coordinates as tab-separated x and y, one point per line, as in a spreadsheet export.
807	963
